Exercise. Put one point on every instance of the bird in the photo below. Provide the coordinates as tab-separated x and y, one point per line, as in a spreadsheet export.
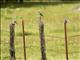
13	22
40	13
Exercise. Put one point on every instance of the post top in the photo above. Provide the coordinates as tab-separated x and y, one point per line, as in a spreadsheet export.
65	21
13	22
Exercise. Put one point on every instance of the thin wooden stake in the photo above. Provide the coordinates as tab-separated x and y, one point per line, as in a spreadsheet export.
42	40
12	48
24	40
66	46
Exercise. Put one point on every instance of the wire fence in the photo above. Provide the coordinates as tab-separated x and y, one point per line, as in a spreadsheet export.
55	47
54	42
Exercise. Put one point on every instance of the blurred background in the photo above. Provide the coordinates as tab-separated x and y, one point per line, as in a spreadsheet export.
55	12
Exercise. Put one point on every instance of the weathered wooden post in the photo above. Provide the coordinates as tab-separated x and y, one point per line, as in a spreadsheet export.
42	39
12	48
66	46
24	47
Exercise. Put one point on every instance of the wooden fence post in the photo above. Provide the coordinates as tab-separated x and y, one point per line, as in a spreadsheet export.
24	40
12	48
42	39
66	46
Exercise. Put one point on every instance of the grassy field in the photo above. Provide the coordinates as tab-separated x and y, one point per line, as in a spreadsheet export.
54	15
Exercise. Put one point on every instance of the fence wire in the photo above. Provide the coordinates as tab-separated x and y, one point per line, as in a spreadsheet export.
54	37
55	48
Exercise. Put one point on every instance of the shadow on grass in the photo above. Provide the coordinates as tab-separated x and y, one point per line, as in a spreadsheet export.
26	34
31	4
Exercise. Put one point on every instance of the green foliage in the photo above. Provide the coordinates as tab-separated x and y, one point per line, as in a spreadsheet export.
70	0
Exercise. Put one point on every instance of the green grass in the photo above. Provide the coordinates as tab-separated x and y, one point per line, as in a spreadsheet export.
53	19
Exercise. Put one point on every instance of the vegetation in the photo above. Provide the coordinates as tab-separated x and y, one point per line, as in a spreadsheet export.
21	1
54	15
